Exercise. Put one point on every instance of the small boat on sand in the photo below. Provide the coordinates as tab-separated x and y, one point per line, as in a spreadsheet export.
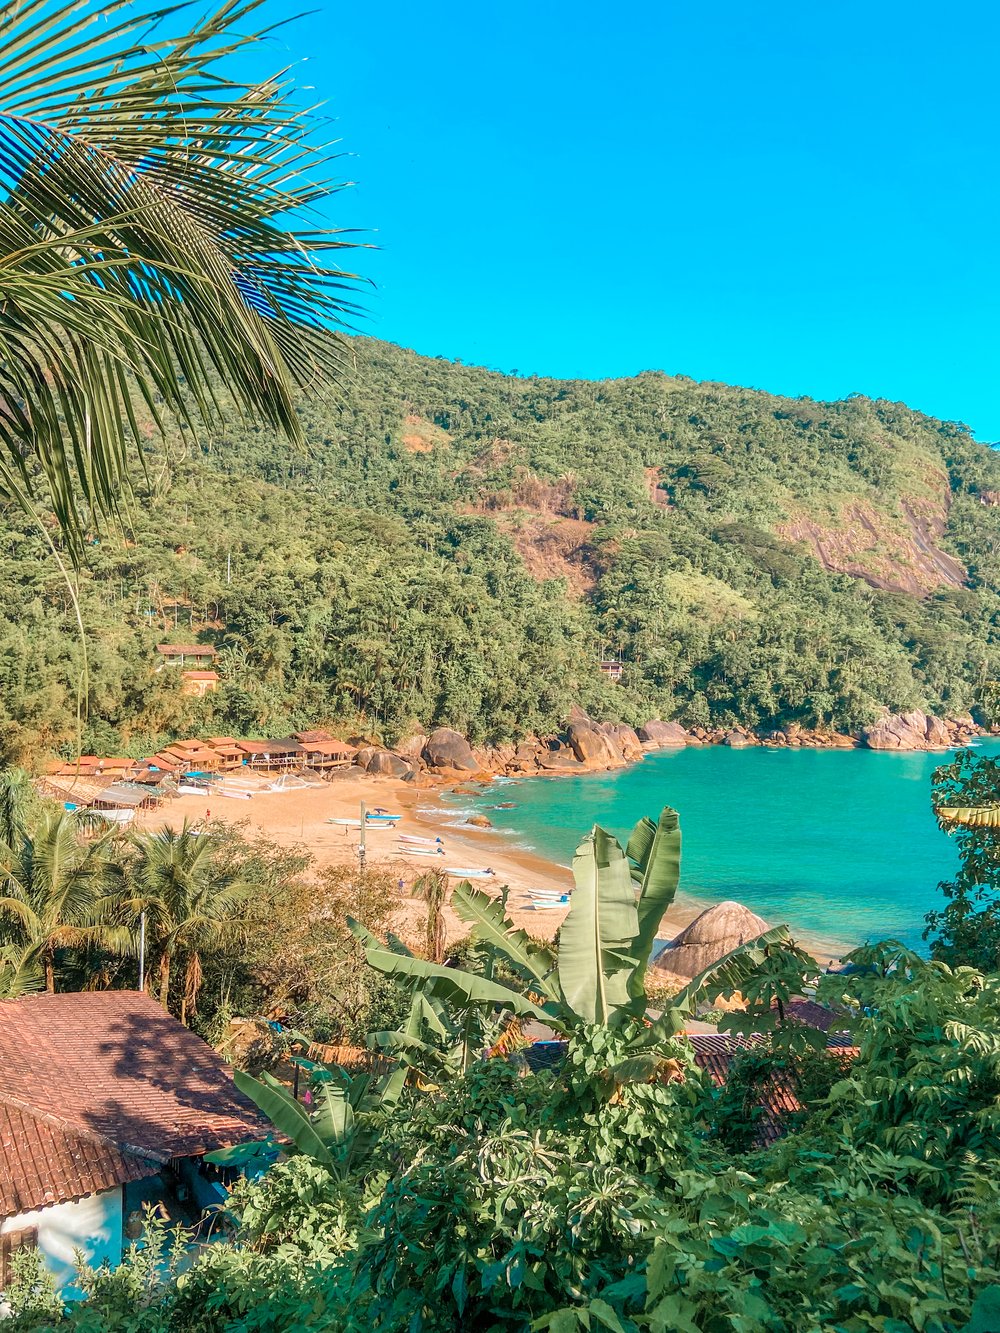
406	850
423	842
472	874
544	904
383	819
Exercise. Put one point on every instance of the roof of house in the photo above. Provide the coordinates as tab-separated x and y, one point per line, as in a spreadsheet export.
43	1161
124	794
186	650
103	1087
200	675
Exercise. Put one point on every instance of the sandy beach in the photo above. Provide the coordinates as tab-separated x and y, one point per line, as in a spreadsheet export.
300	817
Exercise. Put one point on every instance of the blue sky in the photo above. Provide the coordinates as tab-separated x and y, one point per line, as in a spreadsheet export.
800	197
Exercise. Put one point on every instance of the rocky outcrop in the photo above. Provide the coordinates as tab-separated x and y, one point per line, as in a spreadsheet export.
386	764
592	747
478	821
737	740
918	731
445	748
662	734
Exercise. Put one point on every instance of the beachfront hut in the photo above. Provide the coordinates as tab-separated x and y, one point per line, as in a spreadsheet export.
229	753
326	753
126	796
280	754
710	937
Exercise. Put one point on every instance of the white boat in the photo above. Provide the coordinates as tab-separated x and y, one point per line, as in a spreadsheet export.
543	904
383	819
422	851
471	874
544	896
346	823
424	842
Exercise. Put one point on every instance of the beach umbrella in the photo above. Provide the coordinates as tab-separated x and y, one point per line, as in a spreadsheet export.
971	816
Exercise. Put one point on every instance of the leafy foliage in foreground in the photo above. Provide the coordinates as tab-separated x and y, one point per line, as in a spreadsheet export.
454	546
511	1203
967	929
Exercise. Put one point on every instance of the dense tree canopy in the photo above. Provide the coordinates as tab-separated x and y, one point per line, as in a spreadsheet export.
456	546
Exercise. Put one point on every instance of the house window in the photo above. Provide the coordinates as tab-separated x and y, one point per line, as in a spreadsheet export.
10	1243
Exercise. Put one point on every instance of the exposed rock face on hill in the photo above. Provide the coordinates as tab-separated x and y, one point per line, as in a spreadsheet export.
896	556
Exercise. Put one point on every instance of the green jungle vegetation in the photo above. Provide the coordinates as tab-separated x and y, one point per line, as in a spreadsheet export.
455	546
619	1189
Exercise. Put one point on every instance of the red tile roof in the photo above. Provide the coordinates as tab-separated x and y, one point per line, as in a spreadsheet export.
106	1087
200	675
43	1162
715	1052
185	650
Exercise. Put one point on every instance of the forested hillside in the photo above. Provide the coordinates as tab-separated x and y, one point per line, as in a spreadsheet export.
464	547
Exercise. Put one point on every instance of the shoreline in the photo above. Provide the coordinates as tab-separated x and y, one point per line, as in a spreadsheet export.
299	818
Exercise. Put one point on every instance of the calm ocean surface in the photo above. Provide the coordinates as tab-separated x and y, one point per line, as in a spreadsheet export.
841	843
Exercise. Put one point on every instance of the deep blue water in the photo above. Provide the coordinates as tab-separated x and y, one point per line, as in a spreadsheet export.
840	844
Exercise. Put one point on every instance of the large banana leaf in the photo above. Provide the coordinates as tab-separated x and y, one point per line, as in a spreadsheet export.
987	816
285	1113
656	851
333	1119
595	957
490	923
462	988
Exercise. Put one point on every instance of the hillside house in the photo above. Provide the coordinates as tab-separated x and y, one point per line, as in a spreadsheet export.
199	683
268	755
193	656
612	671
107	1103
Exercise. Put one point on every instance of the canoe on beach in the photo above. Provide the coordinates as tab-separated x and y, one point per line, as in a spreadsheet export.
472	874
406	850
424	842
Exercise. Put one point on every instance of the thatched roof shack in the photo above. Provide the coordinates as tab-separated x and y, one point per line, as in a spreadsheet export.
710	937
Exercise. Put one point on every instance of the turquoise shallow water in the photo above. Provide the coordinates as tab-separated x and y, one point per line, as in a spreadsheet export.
841	844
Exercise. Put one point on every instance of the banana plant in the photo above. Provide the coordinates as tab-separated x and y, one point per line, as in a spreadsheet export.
596	973
969	816
337	1132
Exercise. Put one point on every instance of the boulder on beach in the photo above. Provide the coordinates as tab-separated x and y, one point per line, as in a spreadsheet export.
385	764
737	740
709	937
445	748
479	821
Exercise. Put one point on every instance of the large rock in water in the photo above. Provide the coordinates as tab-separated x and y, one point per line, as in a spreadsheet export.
710	937
905	731
448	749
656	732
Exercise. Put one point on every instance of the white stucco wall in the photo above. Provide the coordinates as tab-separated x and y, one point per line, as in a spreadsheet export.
93	1225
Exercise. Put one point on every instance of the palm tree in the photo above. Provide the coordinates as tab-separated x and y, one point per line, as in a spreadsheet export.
433	888
145	260
51	884
191	905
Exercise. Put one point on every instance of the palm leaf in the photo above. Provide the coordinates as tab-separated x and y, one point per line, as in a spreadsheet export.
987	816
490	922
143	260
595	957
728	975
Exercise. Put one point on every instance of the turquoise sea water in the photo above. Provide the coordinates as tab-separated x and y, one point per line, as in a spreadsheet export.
840	844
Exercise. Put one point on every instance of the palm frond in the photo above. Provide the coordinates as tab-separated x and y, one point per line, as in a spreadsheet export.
145	259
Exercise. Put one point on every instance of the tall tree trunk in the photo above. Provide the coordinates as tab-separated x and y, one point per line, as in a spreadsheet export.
164	979
50	975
